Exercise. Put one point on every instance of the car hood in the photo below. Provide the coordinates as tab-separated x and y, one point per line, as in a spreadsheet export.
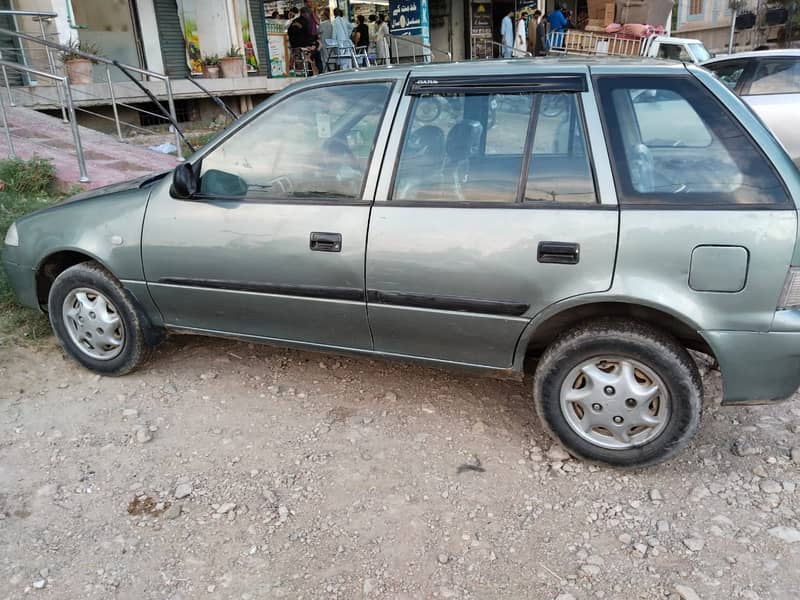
132	184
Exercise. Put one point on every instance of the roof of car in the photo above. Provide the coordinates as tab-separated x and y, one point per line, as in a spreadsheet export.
780	53
504	67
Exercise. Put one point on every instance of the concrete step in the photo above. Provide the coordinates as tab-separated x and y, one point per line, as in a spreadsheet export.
107	160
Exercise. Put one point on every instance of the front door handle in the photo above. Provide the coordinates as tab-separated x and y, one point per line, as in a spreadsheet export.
325	242
560	253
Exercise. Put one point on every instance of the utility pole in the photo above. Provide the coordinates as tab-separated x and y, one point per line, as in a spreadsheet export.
735	6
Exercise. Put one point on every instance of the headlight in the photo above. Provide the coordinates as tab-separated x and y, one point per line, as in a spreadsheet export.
12	237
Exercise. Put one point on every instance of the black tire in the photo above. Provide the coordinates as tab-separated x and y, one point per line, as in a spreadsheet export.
626	339
134	349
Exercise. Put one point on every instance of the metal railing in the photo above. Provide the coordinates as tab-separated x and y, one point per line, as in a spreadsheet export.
171	116
76	136
487	48
72	98
588	43
424	51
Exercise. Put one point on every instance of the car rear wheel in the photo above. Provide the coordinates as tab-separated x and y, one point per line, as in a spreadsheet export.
96	321
619	392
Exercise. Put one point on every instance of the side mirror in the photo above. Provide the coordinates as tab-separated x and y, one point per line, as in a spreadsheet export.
185	182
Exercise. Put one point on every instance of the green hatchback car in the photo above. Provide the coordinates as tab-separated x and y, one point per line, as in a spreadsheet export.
601	217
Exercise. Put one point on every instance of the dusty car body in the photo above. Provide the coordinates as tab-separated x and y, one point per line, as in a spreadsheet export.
601	216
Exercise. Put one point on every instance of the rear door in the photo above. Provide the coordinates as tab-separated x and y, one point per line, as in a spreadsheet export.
774	93
489	213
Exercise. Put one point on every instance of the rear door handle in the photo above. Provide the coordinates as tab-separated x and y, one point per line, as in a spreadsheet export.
325	242
560	253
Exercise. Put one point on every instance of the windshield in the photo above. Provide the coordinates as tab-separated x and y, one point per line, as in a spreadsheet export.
700	52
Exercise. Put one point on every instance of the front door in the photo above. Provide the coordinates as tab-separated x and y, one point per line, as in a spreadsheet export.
492	214
273	245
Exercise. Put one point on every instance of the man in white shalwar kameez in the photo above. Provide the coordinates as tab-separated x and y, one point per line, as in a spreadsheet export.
507	35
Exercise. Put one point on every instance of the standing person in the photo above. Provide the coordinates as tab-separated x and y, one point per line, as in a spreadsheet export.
382	41
538	34
373	34
361	36
341	33
361	32
557	24
301	41
312	17
325	34
507	35
521	38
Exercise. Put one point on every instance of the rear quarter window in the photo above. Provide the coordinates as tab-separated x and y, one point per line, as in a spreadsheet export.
673	143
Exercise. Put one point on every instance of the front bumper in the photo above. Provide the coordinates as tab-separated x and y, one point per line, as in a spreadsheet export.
756	367
23	279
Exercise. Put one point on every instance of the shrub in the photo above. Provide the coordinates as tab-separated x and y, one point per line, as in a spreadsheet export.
28	177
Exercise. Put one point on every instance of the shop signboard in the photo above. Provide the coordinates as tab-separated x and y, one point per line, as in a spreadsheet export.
278	48
481	28
410	17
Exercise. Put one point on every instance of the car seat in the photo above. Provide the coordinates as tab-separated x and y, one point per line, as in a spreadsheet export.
463	143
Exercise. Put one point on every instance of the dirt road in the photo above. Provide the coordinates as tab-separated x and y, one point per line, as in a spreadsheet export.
229	470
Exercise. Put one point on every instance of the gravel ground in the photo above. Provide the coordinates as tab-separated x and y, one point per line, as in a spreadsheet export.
229	470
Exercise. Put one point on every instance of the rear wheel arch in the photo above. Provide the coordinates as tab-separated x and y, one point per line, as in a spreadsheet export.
541	332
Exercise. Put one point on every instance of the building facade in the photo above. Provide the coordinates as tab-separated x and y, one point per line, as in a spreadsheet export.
759	23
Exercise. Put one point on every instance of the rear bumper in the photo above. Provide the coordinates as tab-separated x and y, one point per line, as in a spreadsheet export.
756	367
23	280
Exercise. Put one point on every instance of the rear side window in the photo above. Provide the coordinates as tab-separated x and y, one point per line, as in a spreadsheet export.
776	77
464	147
730	73
559	168
674	143
495	148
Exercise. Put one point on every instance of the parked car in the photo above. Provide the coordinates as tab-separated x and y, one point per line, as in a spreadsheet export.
769	81
613	216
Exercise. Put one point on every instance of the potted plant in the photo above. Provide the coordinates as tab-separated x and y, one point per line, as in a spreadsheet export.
78	67
232	63
211	66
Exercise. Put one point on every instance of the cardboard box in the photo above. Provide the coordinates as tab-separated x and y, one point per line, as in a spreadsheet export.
596	9
609	13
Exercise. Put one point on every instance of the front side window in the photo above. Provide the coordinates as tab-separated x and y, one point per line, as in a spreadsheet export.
476	147
730	73
315	144
776	77
673	143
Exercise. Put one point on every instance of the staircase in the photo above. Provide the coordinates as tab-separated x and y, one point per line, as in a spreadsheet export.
107	160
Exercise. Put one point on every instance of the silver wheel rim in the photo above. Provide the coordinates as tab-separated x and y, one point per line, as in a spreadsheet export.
93	323
615	402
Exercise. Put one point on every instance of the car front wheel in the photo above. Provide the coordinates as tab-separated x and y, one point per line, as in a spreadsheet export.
619	392
95	320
